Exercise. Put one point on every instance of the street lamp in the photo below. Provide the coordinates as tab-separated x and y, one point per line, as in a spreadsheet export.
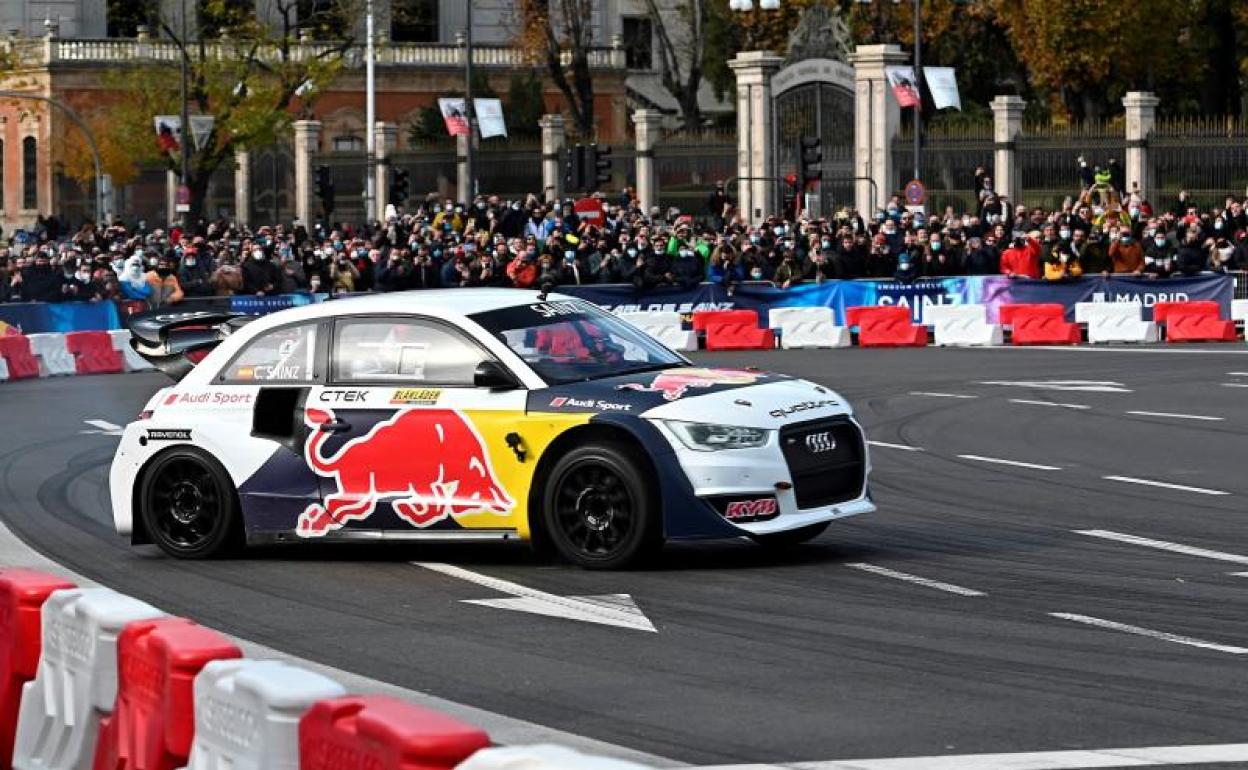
918	78
747	6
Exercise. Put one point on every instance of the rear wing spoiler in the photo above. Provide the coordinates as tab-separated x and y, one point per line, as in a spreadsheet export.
175	341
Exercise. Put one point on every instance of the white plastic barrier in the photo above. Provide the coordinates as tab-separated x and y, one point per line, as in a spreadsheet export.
962	325
1239	310
247	714
807	327
54	357
121	342
542	757
665	327
1116	322
59	718
4	370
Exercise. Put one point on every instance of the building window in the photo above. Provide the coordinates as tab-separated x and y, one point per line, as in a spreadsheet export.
126	16
414	21
30	173
638	42
348	144
325	19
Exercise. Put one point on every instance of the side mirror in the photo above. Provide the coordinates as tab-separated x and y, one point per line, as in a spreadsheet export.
491	374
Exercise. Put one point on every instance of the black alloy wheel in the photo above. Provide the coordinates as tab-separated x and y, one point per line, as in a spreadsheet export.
188	505
598	512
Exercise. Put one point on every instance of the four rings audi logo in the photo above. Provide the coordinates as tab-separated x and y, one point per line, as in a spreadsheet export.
818	443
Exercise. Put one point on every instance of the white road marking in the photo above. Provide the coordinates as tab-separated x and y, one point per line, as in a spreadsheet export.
1235	384
1048	403
1015	463
1072	759
904	447
1089	386
1165	485
1238	374
103	427
1164	545
1150	633
1179	416
940	395
922	581
609	609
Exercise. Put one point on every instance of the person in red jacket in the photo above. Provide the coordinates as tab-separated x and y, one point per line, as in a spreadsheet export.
1022	258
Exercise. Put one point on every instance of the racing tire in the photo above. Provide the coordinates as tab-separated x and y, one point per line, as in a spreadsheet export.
189	505
599	512
792	537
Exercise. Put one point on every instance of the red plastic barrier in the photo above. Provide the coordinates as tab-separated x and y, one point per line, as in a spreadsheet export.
731	335
704	318
1040	325
886	326
15	350
383	733
94	353
1194	327
22	594
153	720
1200	307
1007	313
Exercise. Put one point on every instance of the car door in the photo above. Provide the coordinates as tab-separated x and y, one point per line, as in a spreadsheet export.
405	444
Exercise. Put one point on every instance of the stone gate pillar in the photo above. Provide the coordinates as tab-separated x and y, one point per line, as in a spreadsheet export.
756	156
307	140
242	187
1141	116
1007	124
387	134
648	128
554	139
876	121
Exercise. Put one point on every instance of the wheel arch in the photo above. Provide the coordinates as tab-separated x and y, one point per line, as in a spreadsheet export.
581	435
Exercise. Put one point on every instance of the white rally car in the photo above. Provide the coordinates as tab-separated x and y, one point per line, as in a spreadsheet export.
471	414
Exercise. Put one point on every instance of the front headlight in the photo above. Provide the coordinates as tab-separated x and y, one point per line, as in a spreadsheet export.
705	437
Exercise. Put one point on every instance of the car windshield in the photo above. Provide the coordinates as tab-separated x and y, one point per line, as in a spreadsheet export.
570	340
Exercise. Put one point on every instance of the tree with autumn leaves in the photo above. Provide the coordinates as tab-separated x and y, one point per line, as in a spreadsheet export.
253	76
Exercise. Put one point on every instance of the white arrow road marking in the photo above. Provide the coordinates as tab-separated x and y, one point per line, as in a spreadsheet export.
1015	463
103	427
939	585
1091	386
1150	633
608	609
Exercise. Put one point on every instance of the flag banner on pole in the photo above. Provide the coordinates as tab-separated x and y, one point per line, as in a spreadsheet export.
168	132
490	117
942	84
905	86
455	115
201	129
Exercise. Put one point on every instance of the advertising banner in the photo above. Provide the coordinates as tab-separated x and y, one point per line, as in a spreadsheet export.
904	84
942	84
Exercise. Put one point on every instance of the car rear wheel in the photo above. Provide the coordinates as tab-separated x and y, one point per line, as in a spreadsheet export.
189	505
791	537
599	514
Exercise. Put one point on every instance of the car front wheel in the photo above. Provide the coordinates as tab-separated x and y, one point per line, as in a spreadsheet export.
189	506
599	514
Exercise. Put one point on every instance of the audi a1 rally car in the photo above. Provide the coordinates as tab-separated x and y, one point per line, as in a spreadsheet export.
470	414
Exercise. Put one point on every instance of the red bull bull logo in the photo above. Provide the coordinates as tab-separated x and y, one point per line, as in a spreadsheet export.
673	383
429	464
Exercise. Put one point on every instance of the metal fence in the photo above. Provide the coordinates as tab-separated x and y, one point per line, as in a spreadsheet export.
948	160
1207	156
1047	157
688	164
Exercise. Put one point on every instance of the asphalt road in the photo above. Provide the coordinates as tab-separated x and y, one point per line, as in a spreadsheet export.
1035	635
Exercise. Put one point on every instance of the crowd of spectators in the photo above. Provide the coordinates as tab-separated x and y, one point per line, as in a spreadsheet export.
530	243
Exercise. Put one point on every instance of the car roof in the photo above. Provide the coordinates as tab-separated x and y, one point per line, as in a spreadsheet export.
437	303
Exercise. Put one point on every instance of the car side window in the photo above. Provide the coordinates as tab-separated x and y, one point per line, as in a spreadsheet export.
287	354
403	350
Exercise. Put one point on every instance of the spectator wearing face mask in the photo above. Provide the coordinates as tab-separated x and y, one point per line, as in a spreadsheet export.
193	274
1022	258
789	272
164	282
687	269
981	259
1158	256
522	271
1191	257
1126	254
941	257
260	276
1092	253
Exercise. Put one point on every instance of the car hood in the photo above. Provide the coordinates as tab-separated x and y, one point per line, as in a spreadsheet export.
746	397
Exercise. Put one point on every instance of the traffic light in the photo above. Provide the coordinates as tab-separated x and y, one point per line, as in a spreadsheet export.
399	187
325	188
811	160
574	169
600	165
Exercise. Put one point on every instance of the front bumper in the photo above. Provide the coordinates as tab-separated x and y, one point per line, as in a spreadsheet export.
764	472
